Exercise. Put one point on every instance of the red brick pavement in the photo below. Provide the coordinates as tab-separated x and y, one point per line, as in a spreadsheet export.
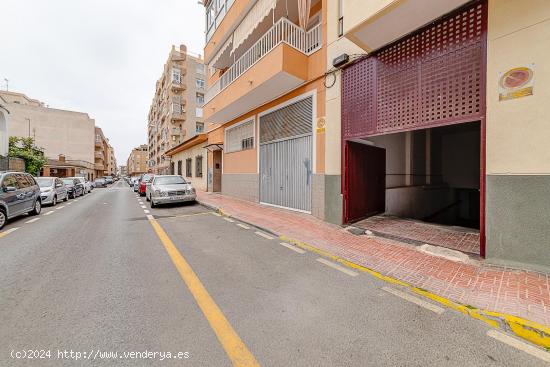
451	237
517	292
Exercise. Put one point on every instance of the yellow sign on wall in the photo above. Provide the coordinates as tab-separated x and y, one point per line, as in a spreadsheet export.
516	83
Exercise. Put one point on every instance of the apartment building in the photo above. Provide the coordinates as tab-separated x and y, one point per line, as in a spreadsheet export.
137	162
266	98
123	170
440	116
102	154
66	136
176	113
111	160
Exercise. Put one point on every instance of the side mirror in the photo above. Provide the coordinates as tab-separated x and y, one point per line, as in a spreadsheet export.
10	188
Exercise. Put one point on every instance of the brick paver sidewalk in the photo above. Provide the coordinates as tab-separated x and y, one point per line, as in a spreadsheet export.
521	293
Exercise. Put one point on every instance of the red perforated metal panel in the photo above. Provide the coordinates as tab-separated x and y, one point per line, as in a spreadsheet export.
433	77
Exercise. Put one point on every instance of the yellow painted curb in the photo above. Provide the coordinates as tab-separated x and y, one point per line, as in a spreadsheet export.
523	328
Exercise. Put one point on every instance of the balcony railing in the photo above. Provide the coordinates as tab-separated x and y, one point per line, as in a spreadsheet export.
284	31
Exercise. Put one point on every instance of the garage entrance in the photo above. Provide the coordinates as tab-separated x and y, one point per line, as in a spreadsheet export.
419	105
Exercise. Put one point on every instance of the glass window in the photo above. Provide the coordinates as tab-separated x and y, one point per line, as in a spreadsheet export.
176	75
188	167
200	127
200	99
198	112
240	137
9	181
200	69
199	83
170	180
198	166
44	181
22	181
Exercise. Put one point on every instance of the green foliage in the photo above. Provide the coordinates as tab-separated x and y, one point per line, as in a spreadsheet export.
25	149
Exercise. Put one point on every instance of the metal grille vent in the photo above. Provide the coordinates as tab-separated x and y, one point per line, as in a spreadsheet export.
433	77
287	122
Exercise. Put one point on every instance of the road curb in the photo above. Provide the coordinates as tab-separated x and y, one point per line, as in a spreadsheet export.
522	328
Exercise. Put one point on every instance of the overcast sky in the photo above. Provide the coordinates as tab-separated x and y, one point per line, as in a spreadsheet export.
102	57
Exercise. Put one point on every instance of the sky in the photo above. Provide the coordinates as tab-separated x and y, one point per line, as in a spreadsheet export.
101	57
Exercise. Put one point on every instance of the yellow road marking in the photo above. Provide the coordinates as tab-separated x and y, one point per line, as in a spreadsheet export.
236	350
2	234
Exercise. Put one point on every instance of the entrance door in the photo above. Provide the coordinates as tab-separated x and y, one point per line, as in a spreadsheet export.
217	171
365	181
285	173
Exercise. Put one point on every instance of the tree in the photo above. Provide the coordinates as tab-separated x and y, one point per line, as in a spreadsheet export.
25	149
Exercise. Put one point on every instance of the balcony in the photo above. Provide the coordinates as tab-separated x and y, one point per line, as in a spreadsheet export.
98	154
178	84
99	167
274	65
178	112
373	25
98	143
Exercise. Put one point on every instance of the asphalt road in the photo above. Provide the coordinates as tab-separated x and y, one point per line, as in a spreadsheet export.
97	277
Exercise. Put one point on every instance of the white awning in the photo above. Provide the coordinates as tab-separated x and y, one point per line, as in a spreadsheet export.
258	12
222	51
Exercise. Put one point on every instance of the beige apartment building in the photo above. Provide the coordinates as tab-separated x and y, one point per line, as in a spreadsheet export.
137	161
111	161
66	136
176	111
101	154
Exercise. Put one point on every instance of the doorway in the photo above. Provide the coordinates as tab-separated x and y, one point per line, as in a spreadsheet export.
217	170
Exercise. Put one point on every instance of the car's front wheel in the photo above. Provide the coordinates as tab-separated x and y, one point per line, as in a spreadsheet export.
3	218
54	201
153	205
37	208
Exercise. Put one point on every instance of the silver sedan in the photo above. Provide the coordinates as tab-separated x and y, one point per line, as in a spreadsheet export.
170	189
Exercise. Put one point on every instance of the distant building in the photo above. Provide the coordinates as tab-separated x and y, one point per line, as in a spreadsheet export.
66	136
176	111
123	170
4	138
137	161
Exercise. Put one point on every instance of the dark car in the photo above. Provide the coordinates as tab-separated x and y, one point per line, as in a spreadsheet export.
109	179
75	188
19	194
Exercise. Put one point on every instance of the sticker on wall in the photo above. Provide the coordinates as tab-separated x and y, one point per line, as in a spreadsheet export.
321	122
516	83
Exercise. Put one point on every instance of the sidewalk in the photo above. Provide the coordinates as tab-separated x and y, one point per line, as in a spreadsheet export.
520	293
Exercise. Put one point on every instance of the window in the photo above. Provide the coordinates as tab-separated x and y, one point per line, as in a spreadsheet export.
200	69
200	99
9	181
198	112
176	76
240	137
200	127
180	169
200	83
22	181
188	167
198	166
340	18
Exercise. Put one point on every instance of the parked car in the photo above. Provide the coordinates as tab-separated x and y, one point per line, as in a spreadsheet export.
170	189
74	187
109	179
87	185
52	190
19	194
100	182
144	180
135	185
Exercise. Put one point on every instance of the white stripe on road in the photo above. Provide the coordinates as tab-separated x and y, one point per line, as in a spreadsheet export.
149	216
344	270
143	207
264	235
69	203
243	226
228	219
32	220
417	301
50	212
518	344
293	248
76	200
146	211
61	207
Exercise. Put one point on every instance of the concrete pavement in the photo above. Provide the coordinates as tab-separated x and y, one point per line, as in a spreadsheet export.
95	275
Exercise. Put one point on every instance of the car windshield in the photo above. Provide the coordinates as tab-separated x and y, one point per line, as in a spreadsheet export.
170	180
44	181
68	181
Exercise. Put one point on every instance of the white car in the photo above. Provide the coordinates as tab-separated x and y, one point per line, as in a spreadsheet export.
87	184
52	190
170	189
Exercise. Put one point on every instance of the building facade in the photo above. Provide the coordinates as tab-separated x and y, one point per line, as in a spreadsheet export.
137	161
176	111
266	101
189	159
430	120
66	136
101	153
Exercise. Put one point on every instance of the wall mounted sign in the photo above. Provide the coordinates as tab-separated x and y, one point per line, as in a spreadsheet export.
321	122
516	83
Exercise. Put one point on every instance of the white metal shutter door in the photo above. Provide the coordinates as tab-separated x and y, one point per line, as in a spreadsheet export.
286	156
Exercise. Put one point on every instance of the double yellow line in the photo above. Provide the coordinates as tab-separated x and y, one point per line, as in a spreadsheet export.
236	350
